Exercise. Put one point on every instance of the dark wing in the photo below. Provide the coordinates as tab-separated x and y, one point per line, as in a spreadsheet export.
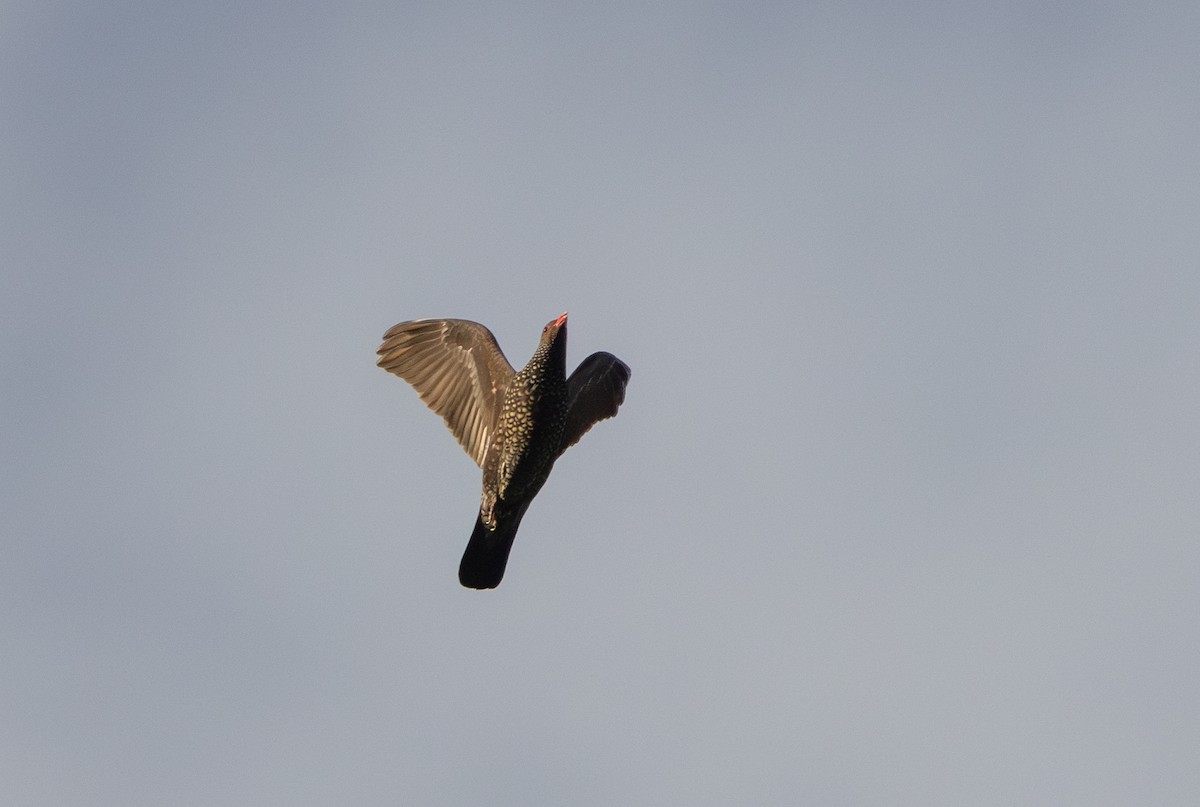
458	370
595	390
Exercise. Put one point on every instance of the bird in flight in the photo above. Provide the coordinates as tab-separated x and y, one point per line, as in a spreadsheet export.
513	424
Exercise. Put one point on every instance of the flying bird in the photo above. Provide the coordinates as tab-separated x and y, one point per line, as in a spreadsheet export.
513	424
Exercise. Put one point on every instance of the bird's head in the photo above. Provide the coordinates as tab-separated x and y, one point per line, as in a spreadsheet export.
554	337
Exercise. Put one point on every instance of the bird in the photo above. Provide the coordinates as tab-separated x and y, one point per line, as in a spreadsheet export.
514	425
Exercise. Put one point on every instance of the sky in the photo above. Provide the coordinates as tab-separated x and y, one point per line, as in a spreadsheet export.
901	505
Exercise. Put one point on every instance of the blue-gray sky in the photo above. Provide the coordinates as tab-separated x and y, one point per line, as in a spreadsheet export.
901	508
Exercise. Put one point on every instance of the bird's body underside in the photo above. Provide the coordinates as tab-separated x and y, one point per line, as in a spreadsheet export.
513	424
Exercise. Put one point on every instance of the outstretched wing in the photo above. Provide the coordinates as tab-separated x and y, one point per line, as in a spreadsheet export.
595	390
458	370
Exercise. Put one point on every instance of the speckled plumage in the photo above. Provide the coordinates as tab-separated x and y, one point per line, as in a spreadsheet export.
513	424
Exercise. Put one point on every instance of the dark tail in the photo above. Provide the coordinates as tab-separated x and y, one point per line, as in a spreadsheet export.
487	553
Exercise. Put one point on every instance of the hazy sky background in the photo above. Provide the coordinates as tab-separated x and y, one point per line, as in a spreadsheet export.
901	508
